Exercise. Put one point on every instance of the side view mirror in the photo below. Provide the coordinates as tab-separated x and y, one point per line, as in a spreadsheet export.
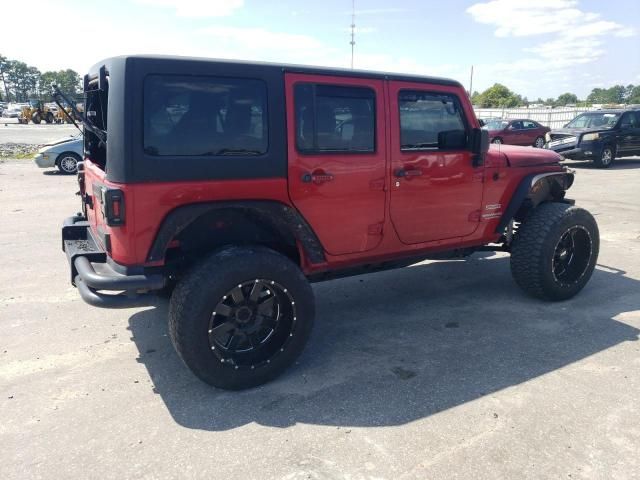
452	140
479	141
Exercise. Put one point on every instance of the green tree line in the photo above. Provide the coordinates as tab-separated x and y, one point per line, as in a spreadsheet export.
21	82
499	96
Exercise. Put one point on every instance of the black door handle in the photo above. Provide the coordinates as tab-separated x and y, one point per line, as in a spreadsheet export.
317	178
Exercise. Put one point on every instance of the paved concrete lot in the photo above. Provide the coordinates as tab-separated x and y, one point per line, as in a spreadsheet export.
12	131
442	370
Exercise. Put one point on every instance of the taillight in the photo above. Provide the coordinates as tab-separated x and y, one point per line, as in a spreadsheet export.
112	206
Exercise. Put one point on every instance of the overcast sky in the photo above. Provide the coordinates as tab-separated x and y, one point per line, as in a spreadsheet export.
535	47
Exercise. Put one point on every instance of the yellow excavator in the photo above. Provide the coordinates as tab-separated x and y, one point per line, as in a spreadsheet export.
36	112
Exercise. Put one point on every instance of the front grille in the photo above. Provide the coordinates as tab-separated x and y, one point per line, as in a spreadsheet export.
559	136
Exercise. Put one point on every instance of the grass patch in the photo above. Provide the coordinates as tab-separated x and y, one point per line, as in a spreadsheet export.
17	156
16	151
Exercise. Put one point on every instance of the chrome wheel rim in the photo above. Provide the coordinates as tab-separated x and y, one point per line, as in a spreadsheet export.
572	255
69	164
607	156
539	142
497	140
252	323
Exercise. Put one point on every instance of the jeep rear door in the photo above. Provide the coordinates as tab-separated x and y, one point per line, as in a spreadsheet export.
337	152
628	136
436	193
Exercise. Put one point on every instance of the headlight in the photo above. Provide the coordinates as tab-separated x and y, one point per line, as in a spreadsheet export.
587	137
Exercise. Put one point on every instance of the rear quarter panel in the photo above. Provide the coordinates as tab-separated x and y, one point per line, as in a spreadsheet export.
147	204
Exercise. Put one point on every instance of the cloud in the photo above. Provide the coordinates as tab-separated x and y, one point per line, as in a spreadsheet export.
577	35
536	17
261	39
529	17
375	11
568	51
198	8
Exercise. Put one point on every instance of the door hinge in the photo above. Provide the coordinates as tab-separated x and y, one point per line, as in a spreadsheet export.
375	229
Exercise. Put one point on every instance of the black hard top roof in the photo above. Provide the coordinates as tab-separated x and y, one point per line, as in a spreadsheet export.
340	72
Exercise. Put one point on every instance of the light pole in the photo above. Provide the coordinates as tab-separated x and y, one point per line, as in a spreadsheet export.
353	29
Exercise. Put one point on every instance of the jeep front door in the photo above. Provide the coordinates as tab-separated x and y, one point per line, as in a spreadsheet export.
336	147
436	192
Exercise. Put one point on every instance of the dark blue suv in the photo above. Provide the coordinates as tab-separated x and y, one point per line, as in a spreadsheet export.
599	136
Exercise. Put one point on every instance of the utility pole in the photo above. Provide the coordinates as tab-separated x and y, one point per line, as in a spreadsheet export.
353	29
471	83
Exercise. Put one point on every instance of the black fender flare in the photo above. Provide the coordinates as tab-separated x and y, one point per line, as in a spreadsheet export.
280	216
527	189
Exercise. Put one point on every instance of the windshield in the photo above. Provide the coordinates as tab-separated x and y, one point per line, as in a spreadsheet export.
495	124
594	120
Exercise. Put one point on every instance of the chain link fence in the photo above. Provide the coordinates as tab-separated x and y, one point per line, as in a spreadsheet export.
549	117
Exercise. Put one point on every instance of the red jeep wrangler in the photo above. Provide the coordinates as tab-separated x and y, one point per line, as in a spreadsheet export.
234	185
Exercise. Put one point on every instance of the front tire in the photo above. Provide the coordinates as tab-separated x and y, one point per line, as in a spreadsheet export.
539	142
497	141
606	158
68	163
555	251
241	317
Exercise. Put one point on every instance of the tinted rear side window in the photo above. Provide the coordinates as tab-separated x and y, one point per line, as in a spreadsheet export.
424	115
204	116
332	119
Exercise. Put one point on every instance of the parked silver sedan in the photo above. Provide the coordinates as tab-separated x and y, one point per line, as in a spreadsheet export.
64	154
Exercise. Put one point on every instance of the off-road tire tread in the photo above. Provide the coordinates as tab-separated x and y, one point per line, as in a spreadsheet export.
528	249
219	265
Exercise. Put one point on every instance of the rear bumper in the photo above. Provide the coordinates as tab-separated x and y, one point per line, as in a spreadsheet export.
94	273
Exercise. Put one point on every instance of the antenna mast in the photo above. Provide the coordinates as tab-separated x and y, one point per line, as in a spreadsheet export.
353	29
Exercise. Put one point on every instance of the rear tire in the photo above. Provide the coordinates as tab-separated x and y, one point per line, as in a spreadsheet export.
230	338
497	141
555	251
36	118
49	118
606	158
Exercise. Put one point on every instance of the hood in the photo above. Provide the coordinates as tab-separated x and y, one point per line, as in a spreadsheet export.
525	156
73	144
63	140
574	132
